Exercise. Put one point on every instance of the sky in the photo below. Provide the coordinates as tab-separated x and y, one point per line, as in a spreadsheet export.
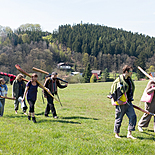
130	15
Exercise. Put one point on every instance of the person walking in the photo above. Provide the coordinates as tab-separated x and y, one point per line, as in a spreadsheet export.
18	91
145	119
127	89
3	92
51	83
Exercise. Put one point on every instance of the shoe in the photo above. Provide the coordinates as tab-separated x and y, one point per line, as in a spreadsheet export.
29	118
130	136
25	113
34	119
15	112
55	117
46	116
140	129
117	136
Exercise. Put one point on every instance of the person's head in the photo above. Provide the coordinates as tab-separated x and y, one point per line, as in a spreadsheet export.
34	77
127	70
2	81
54	75
19	77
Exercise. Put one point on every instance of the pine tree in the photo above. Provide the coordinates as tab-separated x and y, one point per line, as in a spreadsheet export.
105	75
87	74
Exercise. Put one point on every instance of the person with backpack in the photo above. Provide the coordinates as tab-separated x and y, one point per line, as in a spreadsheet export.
124	85
31	93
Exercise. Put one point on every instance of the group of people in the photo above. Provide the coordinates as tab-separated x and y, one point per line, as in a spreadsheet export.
124	85
124	82
29	90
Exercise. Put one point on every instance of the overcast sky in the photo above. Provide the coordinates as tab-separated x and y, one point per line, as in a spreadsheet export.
131	15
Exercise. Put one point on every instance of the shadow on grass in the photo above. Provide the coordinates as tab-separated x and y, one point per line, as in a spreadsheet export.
42	113
59	121
79	117
16	116
149	138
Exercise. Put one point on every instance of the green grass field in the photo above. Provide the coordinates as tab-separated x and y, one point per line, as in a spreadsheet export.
85	126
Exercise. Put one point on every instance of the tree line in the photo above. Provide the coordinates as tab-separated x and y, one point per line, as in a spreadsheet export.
81	44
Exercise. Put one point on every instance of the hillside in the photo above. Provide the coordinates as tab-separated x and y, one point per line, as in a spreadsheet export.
80	44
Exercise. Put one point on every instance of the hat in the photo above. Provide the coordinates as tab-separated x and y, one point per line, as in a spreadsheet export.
54	73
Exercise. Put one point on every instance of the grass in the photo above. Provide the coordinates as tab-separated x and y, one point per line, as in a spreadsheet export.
84	126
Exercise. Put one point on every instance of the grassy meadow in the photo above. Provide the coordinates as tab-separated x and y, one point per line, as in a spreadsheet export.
85	125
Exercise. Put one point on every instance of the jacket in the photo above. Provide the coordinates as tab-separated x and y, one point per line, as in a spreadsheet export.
49	84
15	88
125	87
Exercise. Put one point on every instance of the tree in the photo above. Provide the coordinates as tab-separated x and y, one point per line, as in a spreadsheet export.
105	75
87	74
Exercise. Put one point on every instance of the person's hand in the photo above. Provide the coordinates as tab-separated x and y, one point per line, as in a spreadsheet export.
23	99
45	96
66	84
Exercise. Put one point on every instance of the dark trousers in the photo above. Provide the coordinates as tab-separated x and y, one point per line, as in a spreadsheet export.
2	102
120	112
16	104
31	103
50	106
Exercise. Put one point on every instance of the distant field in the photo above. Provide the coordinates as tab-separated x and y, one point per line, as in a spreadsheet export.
85	126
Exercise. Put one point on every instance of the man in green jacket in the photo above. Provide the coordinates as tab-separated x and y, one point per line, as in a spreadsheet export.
18	91
127	89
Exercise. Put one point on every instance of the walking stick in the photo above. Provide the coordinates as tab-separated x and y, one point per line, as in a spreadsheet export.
25	73
59	99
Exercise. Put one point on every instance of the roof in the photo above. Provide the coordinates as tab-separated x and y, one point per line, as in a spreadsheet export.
96	71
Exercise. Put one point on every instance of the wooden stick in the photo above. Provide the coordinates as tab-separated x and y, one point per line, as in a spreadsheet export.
25	73
39	70
143	110
25	80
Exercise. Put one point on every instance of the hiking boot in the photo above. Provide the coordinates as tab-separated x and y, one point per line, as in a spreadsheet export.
29	118
34	119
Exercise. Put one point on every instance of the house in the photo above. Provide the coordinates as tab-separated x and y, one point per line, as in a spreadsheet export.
74	73
97	73
64	66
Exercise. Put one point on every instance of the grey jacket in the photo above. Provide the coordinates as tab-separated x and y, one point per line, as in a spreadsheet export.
15	89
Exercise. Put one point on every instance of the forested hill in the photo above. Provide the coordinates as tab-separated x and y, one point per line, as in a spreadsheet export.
99	41
80	44
92	39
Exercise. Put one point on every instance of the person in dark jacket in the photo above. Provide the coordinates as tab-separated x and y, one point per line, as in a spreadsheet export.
18	91
51	83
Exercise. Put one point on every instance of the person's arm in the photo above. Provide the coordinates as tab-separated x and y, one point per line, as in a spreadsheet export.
61	86
46	85
25	92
